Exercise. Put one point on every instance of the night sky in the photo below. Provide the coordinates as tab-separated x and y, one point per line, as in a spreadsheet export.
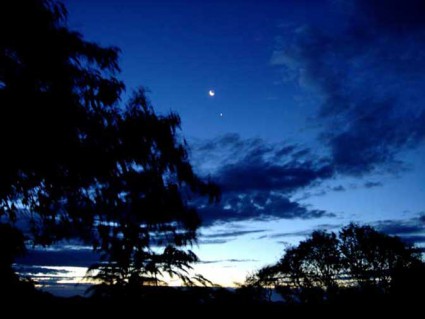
318	117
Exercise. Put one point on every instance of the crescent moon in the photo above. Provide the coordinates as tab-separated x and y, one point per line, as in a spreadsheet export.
211	92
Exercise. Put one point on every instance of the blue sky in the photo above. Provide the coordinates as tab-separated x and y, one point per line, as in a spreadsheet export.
323	115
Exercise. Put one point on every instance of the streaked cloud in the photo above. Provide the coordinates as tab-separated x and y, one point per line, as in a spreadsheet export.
258	178
368	77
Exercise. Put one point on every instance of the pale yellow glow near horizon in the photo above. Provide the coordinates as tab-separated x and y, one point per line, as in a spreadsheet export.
222	276
225	277
75	274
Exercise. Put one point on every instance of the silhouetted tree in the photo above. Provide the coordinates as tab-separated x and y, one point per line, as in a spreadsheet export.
77	163
315	262
407	284
371	257
359	256
12	245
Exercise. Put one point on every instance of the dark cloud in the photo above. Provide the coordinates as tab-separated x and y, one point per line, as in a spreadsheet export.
52	279
254	174
372	184
232	233
233	260
258	179
209	155
411	230
59	257
370	78
414	239
214	241
230	141
258	206
338	188
400	227
254	165
222	237
309	194
306	232
27	270
301	233
394	15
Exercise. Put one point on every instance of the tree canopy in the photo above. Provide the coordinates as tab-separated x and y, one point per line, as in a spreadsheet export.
358	256
77	162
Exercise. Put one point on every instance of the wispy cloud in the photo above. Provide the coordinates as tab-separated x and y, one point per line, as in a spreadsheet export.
258	179
369	76
233	260
229	233
59	257
411	230
226	235
338	188
372	184
304	233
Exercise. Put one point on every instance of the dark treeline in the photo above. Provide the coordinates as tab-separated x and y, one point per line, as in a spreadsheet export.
357	264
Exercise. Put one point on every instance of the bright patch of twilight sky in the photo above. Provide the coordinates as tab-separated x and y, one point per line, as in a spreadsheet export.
323	112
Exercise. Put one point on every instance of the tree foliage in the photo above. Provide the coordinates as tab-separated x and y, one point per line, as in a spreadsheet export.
11	246
79	163
371	257
359	256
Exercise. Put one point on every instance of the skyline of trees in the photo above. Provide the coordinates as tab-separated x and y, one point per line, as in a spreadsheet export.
357	257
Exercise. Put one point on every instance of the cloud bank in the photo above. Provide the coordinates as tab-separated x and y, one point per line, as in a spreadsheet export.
369	77
258	179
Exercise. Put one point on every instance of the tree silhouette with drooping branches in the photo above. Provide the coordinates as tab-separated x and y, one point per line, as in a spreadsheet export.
79	163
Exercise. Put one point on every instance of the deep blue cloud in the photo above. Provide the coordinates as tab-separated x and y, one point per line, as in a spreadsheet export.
338	188
27	270
256	174
242	207
236	233
302	233
258	179
394	15
224	236
414	239
372	184
233	260
370	77
59	257
410	230
214	241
